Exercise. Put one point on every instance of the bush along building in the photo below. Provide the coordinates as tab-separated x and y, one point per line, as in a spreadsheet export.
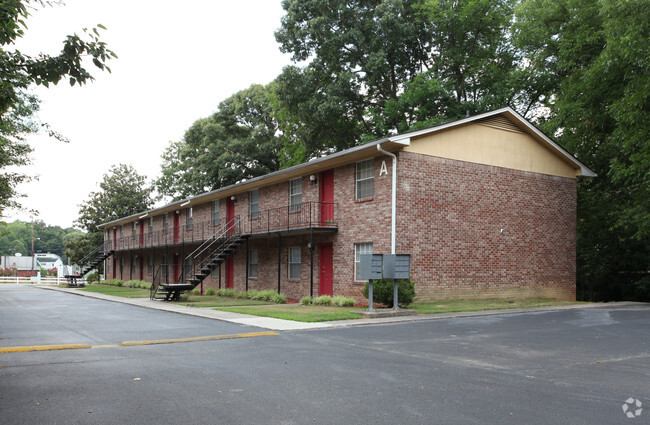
485	205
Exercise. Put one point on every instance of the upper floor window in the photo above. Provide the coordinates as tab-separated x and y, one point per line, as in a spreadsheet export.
215	212
121	231
189	217
365	179
135	228
254	202
150	225
295	194
166	222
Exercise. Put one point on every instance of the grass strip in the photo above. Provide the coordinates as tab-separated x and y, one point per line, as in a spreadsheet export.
296	312
217	301
117	291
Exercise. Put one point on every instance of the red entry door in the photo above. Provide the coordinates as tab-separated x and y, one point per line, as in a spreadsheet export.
230	273
177	224
326	196
175	268
114	248
230	218
141	233
326	285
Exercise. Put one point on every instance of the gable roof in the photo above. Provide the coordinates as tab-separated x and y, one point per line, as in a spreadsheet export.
357	153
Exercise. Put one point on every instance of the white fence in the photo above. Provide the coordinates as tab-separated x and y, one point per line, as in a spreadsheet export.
37	280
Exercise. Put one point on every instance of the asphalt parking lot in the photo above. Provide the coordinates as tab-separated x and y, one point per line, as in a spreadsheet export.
137	365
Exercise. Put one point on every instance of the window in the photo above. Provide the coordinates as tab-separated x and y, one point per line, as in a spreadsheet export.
365	179
165	222
134	231
189	217
121	231
133	261
253	258
294	262
360	248
165	266
150	266
150	227
215	212
254	203
295	194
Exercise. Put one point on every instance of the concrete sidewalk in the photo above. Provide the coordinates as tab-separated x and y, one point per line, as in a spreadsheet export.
290	325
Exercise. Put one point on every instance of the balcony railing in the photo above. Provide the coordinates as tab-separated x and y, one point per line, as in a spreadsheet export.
307	215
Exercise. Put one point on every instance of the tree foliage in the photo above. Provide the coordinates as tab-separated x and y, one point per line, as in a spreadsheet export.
378	67
123	192
238	142
595	56
16	237
19	71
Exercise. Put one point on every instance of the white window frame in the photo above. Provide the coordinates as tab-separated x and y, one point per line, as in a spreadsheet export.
189	217
360	248
295	260
253	263
364	176
151	225
295	194
215	212
165	222
254	203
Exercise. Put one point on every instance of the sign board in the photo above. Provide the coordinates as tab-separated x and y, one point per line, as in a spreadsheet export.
389	266
370	266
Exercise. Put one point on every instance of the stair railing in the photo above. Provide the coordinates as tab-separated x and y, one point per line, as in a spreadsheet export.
162	273
223	238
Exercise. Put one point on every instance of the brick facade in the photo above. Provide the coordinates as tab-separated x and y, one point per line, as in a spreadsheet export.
473	231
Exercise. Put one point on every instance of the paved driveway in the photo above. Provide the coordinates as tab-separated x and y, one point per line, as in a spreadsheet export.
568	367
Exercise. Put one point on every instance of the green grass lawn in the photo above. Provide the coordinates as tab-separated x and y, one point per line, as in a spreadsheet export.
297	312
118	291
480	305
216	301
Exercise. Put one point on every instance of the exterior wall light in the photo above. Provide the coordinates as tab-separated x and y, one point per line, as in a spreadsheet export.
313	179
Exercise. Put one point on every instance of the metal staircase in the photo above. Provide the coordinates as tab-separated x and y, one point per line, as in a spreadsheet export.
91	261
199	264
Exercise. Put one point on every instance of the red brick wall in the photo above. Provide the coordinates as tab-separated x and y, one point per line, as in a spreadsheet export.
450	217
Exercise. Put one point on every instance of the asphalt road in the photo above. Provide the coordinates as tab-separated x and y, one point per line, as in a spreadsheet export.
565	367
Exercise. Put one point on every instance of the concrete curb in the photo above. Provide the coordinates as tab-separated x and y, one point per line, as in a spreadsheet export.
289	325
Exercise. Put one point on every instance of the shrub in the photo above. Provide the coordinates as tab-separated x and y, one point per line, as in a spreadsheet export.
137	284
254	295
210	291
92	277
226	292
382	292
305	301
278	298
196	291
323	300
341	301
112	282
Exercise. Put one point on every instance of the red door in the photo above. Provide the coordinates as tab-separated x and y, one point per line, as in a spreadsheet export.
177	223
326	285
230	218
141	233
326	196
230	273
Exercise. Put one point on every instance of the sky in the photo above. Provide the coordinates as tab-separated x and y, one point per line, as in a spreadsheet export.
177	61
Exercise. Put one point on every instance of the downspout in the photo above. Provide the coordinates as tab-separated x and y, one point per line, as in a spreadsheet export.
393	198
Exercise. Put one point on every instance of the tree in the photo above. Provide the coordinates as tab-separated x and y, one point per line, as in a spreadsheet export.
123	193
390	66
238	142
595	57
16	237
18	72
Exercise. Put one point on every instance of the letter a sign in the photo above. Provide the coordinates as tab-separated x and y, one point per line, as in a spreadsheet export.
383	170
